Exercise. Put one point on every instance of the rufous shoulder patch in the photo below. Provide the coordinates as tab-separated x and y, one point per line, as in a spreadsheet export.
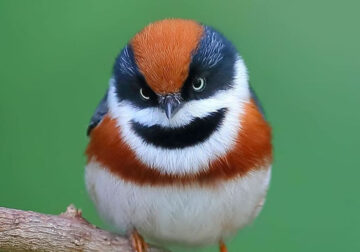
163	52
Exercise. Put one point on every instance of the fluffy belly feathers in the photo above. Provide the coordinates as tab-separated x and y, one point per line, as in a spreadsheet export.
189	214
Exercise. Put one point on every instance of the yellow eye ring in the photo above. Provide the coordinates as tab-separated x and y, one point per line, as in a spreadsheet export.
198	84
143	95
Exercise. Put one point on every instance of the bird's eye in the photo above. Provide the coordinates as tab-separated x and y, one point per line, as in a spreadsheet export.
144	95
198	84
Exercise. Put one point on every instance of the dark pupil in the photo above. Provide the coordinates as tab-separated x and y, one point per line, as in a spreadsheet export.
197	83
145	92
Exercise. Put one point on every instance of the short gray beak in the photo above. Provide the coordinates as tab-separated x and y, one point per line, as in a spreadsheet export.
171	104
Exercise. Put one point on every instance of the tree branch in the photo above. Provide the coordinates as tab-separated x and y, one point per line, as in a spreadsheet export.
31	231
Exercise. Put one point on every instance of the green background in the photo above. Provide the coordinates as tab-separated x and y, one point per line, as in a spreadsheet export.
303	57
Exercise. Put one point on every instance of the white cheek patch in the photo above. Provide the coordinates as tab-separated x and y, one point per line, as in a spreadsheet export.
192	159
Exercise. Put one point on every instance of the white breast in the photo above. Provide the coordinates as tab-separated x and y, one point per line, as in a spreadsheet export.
191	215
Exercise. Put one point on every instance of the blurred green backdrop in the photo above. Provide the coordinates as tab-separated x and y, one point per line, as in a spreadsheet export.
303	57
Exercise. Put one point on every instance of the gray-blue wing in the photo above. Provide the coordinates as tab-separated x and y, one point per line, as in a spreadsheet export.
100	111
257	102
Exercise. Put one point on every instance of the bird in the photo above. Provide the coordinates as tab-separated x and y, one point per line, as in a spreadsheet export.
179	151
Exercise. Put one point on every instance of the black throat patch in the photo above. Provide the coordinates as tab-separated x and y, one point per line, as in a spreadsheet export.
195	132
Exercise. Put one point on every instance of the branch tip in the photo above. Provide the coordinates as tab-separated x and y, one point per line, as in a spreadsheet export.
30	231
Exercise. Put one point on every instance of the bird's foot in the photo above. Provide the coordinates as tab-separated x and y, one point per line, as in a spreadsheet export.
138	243
222	247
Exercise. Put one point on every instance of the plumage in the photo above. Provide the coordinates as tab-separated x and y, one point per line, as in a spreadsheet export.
100	112
163	52
191	176
173	214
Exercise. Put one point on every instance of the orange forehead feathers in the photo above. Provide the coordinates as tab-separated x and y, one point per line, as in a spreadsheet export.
163	52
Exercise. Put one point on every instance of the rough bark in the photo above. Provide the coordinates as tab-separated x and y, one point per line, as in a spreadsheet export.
31	231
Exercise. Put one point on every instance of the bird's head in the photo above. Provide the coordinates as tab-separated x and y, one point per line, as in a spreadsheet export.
178	84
